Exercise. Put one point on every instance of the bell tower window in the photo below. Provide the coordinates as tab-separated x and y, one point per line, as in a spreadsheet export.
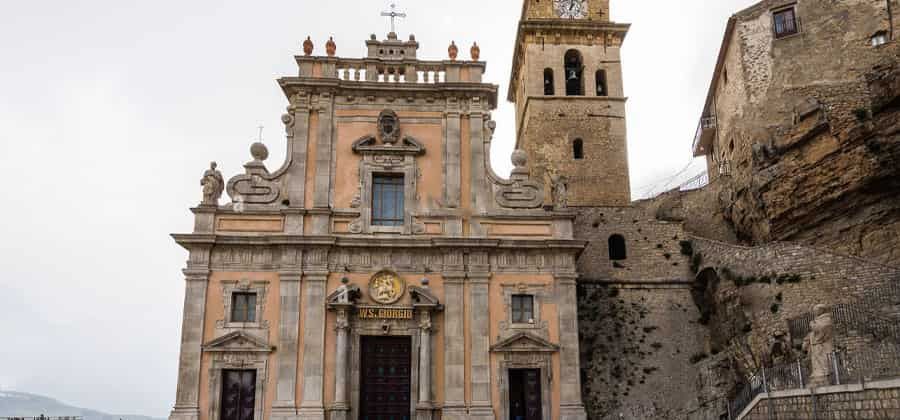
549	88
601	83
574	71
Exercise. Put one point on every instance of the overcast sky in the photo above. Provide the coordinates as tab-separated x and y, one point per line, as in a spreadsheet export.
110	110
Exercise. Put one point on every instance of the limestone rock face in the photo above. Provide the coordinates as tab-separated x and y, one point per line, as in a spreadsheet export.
828	187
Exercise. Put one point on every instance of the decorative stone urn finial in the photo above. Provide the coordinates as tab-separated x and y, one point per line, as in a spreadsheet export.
330	47
259	152
476	51
425	282
453	51
308	46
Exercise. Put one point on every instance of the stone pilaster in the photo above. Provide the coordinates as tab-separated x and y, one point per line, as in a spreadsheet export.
454	348
285	406
481	197
341	407
312	405
425	406
571	406
322	191
452	142
297	121
187	404
480	347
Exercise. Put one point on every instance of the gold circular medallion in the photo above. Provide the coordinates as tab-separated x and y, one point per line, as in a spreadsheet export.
386	287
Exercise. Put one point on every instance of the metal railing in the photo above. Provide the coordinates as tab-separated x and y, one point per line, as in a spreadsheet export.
706	123
881	362
43	417
696	182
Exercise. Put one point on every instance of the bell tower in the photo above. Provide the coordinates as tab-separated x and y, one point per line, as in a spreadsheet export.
570	103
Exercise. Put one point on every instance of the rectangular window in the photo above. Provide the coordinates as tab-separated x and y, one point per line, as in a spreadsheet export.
785	22
387	200
522	309
243	307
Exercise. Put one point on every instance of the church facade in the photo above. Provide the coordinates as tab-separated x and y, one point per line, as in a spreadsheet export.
384	271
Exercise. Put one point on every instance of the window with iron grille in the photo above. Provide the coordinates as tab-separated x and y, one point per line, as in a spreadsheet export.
522	309
243	307
786	22
387	200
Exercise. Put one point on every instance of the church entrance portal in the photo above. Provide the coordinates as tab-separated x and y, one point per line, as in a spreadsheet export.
525	394
238	394
385	378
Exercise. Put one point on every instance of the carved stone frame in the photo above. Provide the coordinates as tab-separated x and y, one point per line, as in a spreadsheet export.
229	288
238	351
387	165
525	351
227	361
540	294
373	327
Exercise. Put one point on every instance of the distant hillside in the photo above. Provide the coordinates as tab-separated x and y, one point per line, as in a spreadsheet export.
20	404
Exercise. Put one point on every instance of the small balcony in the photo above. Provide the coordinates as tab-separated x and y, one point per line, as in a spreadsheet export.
706	131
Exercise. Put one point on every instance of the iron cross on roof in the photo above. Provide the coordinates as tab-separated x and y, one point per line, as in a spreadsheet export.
393	14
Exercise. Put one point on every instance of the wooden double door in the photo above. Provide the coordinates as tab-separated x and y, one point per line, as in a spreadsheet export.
385	378
525	394
238	395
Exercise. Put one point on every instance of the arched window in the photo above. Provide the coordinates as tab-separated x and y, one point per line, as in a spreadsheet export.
601	83
617	251
574	70
548	82
578	149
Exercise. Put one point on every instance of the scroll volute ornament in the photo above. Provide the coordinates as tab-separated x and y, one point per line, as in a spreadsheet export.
330	47
475	51
308	46
453	51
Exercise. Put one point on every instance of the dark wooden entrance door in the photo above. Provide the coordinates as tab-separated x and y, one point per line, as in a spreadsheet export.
385	378
525	394
238	394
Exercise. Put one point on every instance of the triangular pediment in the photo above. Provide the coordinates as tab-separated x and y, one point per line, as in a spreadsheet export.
238	341
525	343
352	294
423	297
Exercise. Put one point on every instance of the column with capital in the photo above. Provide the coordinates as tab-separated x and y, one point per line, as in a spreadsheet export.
425	407
341	407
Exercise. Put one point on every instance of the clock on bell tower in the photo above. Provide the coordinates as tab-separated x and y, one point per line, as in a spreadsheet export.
570	102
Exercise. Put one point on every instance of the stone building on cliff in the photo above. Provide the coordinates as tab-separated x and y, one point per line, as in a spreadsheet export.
385	271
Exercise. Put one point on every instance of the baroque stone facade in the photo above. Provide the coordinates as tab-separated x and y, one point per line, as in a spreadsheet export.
384	269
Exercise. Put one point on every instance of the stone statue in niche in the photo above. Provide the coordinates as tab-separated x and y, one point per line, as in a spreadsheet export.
389	127
820	345
213	185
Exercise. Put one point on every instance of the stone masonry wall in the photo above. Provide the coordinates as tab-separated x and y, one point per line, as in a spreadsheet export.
638	326
748	295
636	343
882	403
653	250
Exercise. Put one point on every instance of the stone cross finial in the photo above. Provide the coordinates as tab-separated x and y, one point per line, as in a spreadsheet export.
393	14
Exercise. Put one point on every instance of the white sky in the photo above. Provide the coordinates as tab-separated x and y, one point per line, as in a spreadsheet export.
110	110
